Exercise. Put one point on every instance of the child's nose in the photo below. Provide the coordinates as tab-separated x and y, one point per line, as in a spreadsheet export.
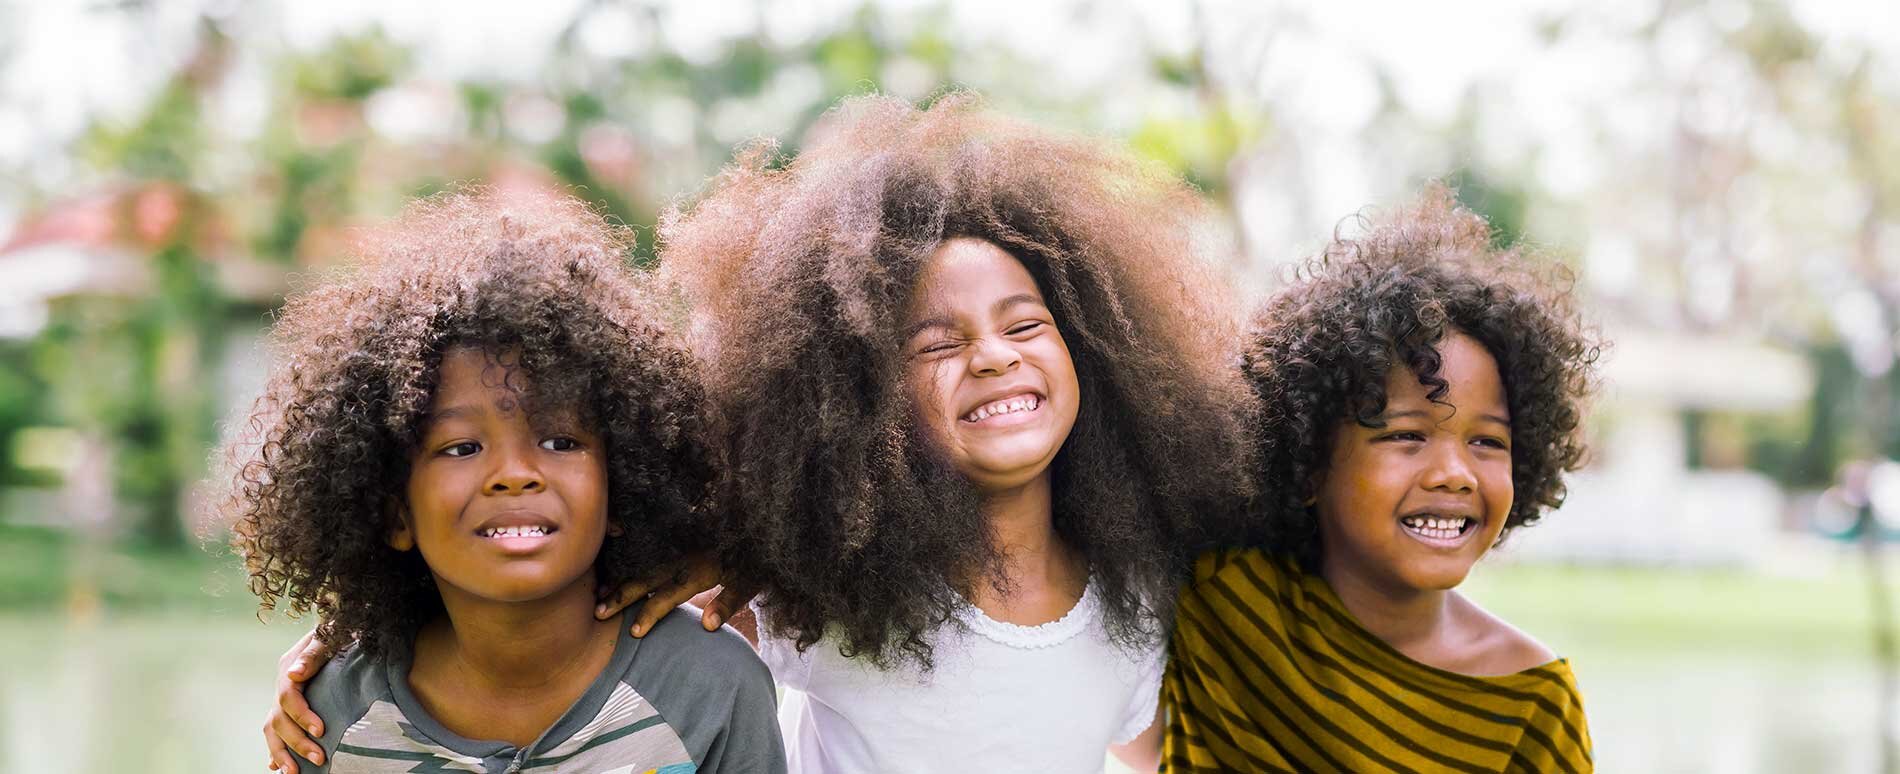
994	356
516	474
1449	470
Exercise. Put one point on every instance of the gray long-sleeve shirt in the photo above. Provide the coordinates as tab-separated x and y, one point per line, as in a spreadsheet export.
678	701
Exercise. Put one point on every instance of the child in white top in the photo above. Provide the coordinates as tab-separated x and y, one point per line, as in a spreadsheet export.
1060	686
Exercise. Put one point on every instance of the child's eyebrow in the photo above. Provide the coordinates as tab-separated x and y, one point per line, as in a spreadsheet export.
918	327
1010	301
1001	306
1421	414
451	412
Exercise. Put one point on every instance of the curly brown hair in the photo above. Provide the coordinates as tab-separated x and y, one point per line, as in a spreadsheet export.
537	281
1319	350
802	272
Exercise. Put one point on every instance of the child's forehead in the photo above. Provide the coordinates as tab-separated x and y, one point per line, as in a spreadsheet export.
971	280
475	382
1471	377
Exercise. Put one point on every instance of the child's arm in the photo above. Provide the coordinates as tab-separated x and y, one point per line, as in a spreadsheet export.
1143	753
292	727
658	594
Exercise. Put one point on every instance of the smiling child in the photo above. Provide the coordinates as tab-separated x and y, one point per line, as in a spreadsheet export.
1421	395
464	439
978	393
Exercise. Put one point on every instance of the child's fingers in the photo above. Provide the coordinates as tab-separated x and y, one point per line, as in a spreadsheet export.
286	662
628	593
659	604
287	735
283	736
731	600
315	654
280	759
293	713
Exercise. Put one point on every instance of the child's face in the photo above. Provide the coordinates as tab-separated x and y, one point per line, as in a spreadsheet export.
989	372
1415	503
502	508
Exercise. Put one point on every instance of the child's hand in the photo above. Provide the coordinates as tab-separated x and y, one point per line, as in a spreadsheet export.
292	725
660	593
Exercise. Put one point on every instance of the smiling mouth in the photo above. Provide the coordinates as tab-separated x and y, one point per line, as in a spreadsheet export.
516	532
1019	404
1438	529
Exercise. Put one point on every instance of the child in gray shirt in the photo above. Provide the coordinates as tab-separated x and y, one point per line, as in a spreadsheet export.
464	439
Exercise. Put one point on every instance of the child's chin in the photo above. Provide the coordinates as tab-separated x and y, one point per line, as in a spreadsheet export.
1437	576
521	587
1017	457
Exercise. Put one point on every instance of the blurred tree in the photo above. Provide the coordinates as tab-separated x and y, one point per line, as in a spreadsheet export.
134	370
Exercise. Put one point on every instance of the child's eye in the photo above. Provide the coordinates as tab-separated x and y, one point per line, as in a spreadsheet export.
941	346
1024	328
462	449
560	443
1495	443
1403	435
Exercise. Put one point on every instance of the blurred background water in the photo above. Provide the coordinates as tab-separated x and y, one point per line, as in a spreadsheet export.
1723	176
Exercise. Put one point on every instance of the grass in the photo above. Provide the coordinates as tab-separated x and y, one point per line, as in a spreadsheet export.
44	569
1677	665
1709	611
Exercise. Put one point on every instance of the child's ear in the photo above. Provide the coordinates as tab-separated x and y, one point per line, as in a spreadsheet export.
400	536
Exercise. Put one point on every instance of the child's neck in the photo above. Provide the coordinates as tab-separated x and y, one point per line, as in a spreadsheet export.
1409	619
508	671
1043	574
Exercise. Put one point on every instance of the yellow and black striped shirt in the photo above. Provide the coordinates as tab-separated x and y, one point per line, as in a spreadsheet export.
1268	672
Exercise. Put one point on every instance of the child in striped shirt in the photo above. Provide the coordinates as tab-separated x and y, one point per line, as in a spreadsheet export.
1420	394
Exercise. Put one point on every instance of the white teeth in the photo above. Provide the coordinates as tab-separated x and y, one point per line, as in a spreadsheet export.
1010	406
528	531
1436	527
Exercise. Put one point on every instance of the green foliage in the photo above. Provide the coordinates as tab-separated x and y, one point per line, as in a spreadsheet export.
164	144
351	68
22	404
40	567
1199	148
1503	204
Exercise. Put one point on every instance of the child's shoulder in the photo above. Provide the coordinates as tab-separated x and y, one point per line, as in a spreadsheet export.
349	678
1255	563
679	642
1498	647
343	690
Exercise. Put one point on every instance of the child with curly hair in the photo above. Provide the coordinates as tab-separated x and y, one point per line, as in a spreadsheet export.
463	440
1421	395
980	398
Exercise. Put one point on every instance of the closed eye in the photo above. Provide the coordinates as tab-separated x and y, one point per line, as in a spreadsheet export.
1025	327
941	346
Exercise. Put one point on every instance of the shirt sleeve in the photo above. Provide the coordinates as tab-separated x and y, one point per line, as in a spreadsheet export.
1140	713
715	694
751	741
340	693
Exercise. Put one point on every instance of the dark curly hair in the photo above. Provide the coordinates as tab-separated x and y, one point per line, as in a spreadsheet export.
540	283
801	272
1319	350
